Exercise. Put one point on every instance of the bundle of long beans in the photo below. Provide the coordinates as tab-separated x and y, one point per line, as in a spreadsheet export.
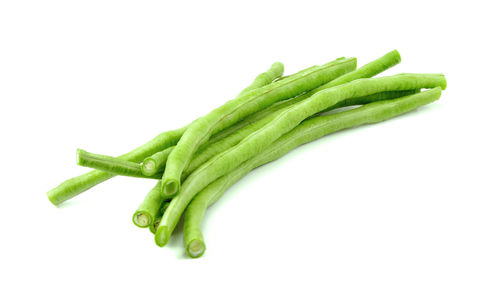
194	165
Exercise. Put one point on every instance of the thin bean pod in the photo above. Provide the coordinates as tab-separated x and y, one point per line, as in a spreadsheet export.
131	169
381	96
372	68
113	165
307	131
265	78
144	215
235	133
303	71
265	112
231	136
156	222
79	184
237	109
259	140
156	162
214	148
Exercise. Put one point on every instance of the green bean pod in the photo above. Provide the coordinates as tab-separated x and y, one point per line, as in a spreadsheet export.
232	135
265	78
79	184
156	162
237	109
259	140
156	222
146	212
307	131
113	165
363	100
125	168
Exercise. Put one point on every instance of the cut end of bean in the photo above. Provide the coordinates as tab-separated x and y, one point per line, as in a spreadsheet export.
54	198
141	219
161	236
196	248
78	156
396	55
149	167
154	226
170	188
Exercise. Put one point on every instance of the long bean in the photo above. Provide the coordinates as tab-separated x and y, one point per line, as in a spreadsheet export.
265	78
307	131
156	162
215	145
207	152
112	165
231	136
145	214
259	140
372	68
79	184
237	109
156	222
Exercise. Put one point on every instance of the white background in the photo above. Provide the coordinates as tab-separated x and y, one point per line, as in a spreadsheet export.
402	212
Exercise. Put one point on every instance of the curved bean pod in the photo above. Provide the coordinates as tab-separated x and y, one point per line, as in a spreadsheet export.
79	184
265	78
145	214
236	132
232	135
237	109
156	163
259	140
215	145
156	222
214	148
307	131
115	166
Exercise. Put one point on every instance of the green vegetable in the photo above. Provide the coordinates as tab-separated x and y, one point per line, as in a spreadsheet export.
79	184
236	132
113	165
154	225
206	152
259	140
307	131
156	163
375	67
265	78
76	185
270	117
235	110
213	147
145	214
